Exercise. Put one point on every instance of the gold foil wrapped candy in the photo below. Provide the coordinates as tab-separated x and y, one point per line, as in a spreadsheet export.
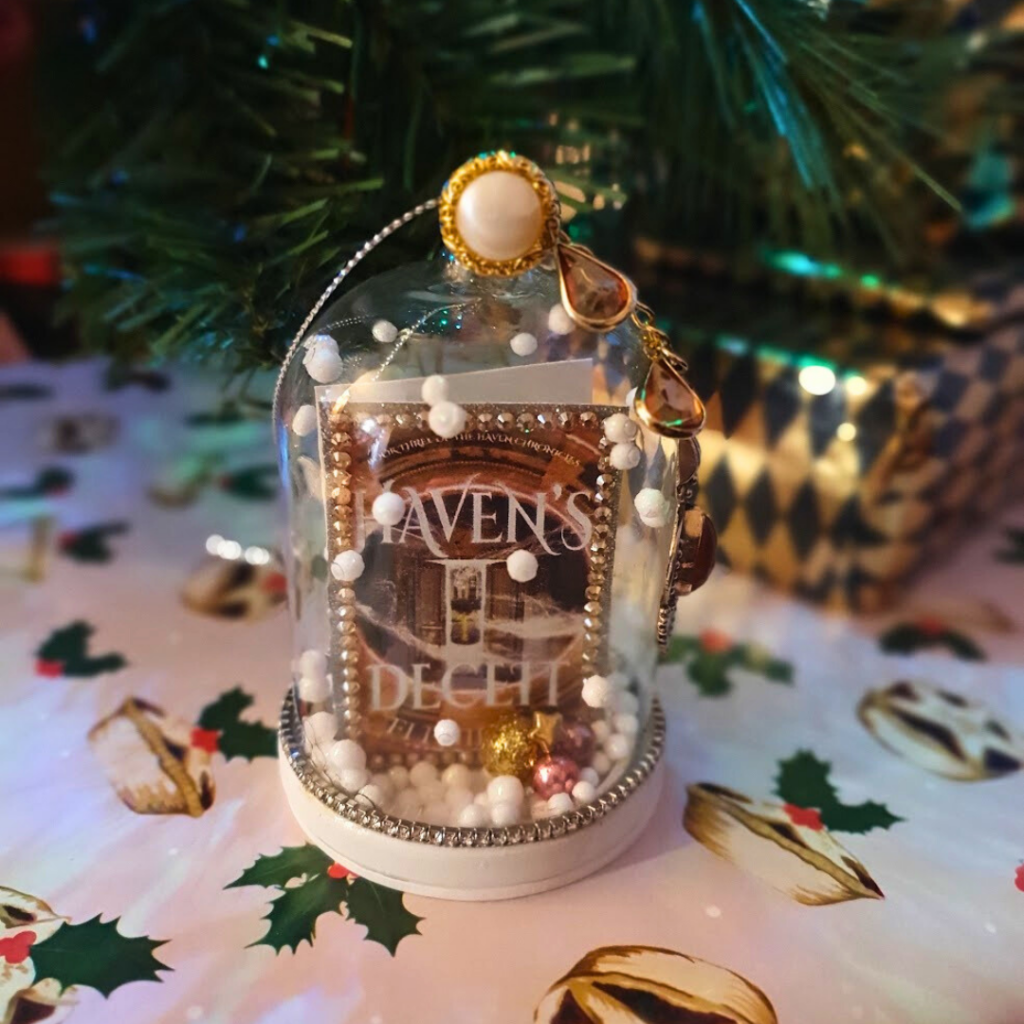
639	984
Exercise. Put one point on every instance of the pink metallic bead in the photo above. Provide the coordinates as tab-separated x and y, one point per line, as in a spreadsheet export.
555	774
576	741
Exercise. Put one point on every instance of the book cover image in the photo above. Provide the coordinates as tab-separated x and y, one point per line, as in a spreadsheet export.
435	627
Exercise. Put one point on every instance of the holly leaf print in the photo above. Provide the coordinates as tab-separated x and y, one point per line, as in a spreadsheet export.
23	392
51	481
1014	553
803	782
97	955
294	913
65	653
908	637
709	658
278	869
89	544
253	483
382	911
312	885
237	738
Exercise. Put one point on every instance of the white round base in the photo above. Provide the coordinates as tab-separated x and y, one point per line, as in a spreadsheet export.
472	873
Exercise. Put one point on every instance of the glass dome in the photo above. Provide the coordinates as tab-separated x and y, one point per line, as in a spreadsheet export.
479	549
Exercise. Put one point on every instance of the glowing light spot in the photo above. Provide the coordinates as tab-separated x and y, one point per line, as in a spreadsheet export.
213	543
846	431
855	385
230	549
817	380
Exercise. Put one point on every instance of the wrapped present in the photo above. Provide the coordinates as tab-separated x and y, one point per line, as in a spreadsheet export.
845	448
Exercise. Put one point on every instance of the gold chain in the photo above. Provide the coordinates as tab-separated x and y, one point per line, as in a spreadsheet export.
655	341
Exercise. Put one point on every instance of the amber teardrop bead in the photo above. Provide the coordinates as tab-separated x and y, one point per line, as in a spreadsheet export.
666	404
594	294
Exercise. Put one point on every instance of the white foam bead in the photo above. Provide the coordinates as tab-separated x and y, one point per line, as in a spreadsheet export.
601	763
384	784
304	420
625	455
347	754
481	799
321	727
522	566
435	389
618	746
447	732
627	724
352	779
384	331
399	776
601	730
388	508
457	776
458	797
322	361
372	794
627	703
313	664
559	321
597	691
408	804
584	792
524	344
505	789
437	813
314	689
348	566
446	419
422	773
589	775
472	816
504	813
560	803
652	507
619	428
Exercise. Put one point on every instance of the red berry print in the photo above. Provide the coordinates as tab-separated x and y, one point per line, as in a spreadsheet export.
931	626
714	642
337	870
206	739
16	949
50	669
1018	878
276	583
806	816
66	539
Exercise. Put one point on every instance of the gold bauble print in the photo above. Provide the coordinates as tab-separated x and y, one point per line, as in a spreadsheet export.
507	746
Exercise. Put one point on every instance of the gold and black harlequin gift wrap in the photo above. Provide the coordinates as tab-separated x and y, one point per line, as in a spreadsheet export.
840	496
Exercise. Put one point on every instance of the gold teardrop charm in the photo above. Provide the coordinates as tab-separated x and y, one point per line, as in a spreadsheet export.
594	294
665	403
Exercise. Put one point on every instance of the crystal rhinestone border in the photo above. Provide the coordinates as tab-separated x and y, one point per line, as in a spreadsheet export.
362	812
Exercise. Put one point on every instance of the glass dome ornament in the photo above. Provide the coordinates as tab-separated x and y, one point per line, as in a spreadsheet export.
490	466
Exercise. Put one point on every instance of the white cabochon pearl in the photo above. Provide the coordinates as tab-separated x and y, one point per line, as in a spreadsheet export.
504	814
522	566
625	455
458	797
399	776
590	776
597	691
347	754
524	344
584	791
322	361
601	730
559	321
388	508
314	689
320	728
435	389
313	664
499	216
628	725
423	773
601	763
619	427
505	789
457	776
353	779
473	816
371	794
618	746
385	332
447	732
304	420
560	803
446	419
652	507
348	566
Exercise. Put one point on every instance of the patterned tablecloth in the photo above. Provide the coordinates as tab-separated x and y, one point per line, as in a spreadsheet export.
866	767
